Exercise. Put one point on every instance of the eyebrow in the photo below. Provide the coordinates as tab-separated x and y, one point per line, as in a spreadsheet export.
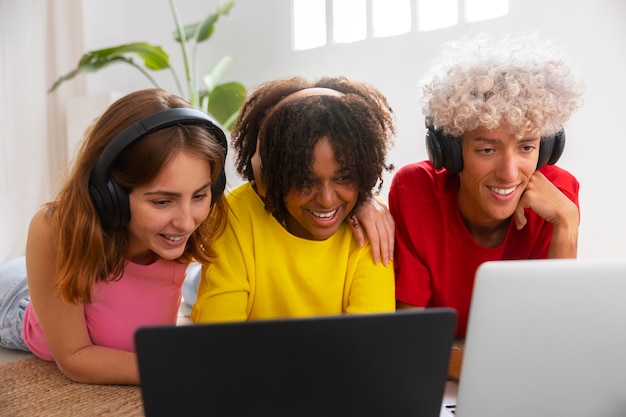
173	194
495	141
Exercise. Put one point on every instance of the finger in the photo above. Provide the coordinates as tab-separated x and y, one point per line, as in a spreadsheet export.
374	237
385	242
357	230
390	226
375	242
520	218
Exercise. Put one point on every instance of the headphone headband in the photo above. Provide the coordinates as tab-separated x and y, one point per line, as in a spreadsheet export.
111	199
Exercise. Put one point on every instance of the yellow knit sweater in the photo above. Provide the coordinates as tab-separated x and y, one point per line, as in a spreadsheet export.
265	272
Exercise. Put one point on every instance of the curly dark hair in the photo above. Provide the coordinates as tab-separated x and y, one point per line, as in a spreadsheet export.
359	124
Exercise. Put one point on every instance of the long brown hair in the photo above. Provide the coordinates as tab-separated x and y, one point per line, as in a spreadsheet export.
87	253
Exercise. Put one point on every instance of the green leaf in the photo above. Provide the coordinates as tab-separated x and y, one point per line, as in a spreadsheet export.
225	100
154	57
88	66
201	31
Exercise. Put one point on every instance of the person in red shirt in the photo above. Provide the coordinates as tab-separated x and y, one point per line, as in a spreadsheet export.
495	109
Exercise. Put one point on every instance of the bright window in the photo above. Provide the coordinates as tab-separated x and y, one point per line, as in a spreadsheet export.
317	23
437	14
349	20
391	17
308	24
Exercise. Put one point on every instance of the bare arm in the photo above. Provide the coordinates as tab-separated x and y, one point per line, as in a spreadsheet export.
379	225
64	324
549	202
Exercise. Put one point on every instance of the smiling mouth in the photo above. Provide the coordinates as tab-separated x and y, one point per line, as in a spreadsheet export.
502	191
174	238
323	216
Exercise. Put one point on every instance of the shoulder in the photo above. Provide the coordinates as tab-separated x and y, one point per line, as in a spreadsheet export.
415	170
244	200
561	178
243	195
41	228
246	211
420	183
41	252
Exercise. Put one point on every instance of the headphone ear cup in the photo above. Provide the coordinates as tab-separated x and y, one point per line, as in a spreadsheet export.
551	148
218	187
444	151
454	154
112	204
119	195
434	147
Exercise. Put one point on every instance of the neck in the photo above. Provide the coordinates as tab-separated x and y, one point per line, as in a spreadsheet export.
488	236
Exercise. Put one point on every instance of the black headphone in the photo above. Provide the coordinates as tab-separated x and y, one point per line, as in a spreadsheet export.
110	198
444	151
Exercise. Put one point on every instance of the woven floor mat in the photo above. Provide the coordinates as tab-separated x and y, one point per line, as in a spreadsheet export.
33	387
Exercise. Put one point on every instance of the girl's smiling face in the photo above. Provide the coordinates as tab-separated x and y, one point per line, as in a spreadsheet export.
317	214
165	212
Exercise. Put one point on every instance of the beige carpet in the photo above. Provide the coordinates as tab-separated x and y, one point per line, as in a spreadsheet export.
33	387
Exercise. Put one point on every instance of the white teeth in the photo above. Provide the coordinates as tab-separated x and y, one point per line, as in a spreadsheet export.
174	238
503	191
323	215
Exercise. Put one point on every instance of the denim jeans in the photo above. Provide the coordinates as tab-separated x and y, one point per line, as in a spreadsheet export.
14	298
190	285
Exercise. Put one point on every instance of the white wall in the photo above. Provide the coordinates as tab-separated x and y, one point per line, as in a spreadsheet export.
257	35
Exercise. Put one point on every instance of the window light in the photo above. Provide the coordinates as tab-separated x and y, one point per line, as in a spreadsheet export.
349	20
391	17
308	23
437	14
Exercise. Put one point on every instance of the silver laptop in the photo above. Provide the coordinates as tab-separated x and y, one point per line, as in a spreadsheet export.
546	338
392	364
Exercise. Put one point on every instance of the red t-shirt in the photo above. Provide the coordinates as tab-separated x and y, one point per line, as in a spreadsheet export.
436	257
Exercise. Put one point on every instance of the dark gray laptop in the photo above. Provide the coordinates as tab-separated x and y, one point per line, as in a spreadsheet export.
392	364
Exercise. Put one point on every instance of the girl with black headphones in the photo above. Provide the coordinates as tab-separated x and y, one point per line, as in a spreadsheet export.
108	255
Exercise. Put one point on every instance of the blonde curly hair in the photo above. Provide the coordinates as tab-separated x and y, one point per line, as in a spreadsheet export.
518	83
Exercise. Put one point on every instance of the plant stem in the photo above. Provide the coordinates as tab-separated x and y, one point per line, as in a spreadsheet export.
147	74
193	95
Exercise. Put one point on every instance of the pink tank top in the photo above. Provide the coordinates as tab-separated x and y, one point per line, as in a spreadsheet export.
145	295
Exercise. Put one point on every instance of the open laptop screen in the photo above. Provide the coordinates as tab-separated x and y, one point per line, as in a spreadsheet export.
392	364
546	338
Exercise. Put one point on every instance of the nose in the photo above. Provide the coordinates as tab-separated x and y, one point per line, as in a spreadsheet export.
183	218
325	194
508	166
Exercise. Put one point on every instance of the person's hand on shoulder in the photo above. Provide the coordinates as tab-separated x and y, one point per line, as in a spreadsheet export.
374	216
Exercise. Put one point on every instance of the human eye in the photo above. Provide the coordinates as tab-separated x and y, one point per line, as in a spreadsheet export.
200	196
344	179
486	150
528	148
161	203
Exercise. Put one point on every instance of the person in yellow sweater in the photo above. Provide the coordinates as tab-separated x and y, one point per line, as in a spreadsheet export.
313	152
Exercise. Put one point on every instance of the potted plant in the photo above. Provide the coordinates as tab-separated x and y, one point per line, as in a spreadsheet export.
220	100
